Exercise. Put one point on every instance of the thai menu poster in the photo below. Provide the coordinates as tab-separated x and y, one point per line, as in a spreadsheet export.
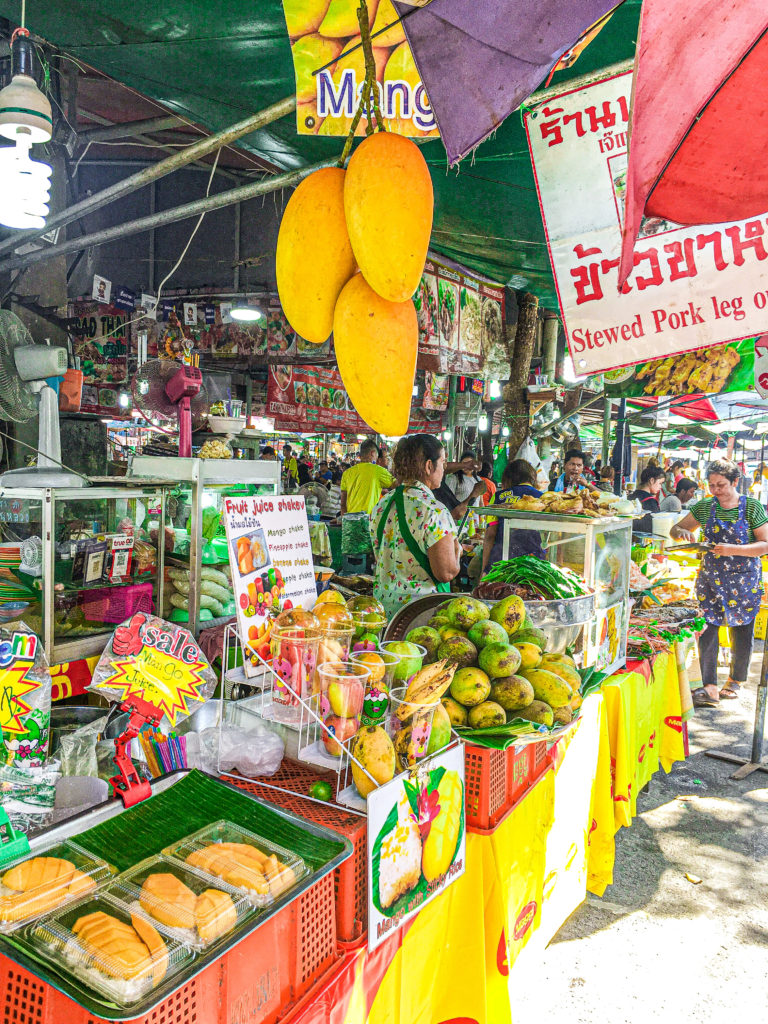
461	319
306	398
691	288
101	342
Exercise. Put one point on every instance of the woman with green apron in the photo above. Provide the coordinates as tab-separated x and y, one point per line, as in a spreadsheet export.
729	586
413	534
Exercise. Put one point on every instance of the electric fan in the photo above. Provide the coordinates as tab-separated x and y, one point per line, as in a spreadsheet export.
25	393
170	391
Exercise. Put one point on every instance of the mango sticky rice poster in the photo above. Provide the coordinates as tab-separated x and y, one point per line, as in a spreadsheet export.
325	34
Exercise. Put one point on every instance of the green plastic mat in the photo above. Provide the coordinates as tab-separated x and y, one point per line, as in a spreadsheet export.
193	802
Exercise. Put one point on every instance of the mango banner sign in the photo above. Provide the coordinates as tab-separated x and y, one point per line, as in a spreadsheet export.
157	661
691	287
322	32
416	840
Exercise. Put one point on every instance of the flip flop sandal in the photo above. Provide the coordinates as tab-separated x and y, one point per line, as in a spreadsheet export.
701	699
730	691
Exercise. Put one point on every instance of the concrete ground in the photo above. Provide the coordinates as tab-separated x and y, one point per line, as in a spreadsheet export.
659	947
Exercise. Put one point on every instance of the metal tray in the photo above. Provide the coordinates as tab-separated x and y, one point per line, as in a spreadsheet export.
71	827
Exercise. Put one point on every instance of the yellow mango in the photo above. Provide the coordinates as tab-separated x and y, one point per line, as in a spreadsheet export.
303	16
310	53
387	15
440	845
376	345
388	202
314	257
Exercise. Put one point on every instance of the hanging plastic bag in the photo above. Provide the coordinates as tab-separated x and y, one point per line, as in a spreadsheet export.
527	451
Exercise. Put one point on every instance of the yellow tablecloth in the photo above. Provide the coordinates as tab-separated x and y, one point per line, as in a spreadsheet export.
461	960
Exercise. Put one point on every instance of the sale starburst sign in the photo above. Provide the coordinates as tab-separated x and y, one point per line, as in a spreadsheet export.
158	661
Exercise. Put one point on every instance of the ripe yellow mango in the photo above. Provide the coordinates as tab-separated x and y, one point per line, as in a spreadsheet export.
388	202
303	16
314	258
440	845
387	15
341	21
376	345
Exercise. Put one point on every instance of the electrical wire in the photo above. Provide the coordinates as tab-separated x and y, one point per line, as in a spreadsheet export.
37	452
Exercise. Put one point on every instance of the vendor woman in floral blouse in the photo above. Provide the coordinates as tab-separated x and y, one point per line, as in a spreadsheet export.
729	585
413	534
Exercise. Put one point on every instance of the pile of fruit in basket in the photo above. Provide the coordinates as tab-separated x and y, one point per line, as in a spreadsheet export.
503	671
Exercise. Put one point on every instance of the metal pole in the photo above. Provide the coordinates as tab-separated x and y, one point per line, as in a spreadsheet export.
621	427
755	763
205	205
606	450
546	431
158	170
236	272
451	446
549	348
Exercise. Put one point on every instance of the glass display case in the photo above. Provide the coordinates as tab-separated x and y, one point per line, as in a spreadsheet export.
75	562
597	549
198	584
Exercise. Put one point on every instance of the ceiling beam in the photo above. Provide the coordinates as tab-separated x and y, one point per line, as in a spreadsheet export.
126	130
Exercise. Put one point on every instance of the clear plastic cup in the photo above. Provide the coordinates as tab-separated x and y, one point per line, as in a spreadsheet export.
343	685
294	660
382	665
409	727
333	647
411	658
368	628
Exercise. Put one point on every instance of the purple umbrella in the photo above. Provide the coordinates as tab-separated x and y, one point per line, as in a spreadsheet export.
479	60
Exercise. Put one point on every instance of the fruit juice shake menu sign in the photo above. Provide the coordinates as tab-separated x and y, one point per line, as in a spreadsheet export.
416	841
270	554
326	34
691	287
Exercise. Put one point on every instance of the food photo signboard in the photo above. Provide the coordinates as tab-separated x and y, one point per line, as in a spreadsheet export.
270	553
709	371
461	319
306	398
101	341
416	841
691	287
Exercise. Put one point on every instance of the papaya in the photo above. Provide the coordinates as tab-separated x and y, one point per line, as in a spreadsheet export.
314	258
388	201
440	845
566	673
376	343
548	687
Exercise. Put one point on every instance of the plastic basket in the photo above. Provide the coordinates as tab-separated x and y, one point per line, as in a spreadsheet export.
350	878
496	781
115	604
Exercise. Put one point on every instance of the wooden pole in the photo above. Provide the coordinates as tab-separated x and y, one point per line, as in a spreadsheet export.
520	342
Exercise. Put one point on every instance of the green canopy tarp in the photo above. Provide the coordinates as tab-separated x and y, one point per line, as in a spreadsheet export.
217	63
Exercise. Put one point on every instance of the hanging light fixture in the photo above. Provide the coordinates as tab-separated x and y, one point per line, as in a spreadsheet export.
495	389
446	435
505	431
482	423
25	119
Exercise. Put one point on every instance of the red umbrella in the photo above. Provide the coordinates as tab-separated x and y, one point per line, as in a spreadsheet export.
699	124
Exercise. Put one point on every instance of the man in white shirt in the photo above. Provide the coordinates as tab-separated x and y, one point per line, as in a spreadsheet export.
684	492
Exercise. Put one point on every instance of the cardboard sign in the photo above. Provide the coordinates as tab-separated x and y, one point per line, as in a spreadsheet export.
158	661
691	287
326	100
270	554
406	868
25	699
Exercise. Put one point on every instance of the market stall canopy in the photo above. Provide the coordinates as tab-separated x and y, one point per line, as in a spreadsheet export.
479	62
216	64
700	70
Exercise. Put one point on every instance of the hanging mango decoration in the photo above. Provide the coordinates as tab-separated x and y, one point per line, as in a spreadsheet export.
376	344
388	203
314	258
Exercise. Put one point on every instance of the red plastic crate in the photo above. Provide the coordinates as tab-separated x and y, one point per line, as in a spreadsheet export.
261	979
350	878
496	780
